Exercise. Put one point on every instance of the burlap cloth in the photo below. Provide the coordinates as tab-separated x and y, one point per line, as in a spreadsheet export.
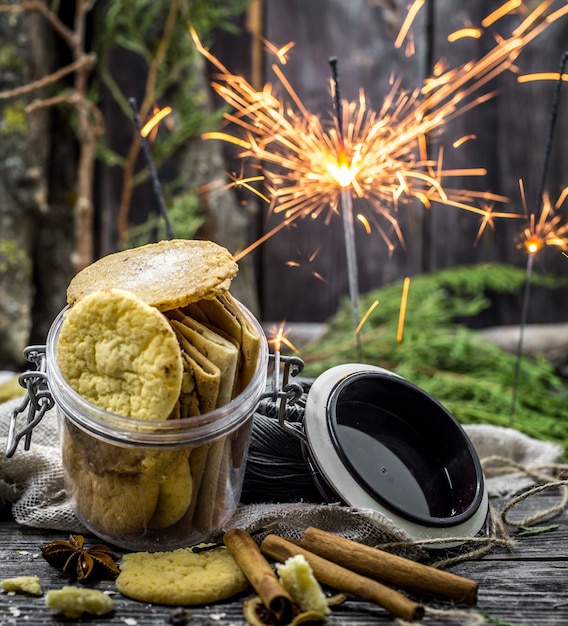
31	483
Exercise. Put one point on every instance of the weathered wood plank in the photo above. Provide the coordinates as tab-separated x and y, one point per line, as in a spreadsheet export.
520	587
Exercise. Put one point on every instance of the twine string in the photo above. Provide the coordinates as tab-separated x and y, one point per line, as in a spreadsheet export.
546	513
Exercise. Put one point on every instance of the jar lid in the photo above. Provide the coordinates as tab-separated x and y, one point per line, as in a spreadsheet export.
376	441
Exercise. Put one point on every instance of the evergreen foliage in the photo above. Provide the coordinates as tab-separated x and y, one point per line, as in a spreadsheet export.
139	28
468	374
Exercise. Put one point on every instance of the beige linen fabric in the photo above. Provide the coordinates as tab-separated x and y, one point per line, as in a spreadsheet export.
31	483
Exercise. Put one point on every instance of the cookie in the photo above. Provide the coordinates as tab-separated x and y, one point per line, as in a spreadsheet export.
73	602
220	351
165	275
175	493
180	577
121	354
116	504
224	315
22	584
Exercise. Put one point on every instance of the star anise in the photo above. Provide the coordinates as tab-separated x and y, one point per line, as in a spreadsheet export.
81	563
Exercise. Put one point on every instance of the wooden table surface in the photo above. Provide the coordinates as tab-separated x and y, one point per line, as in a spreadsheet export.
528	586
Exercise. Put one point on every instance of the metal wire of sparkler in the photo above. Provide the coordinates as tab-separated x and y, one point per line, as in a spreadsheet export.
534	245
347	213
156	186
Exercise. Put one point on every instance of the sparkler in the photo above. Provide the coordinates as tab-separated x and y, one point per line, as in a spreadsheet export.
156	186
544	228
311	167
344	180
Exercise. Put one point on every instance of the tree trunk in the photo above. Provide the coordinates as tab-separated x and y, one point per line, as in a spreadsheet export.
24	147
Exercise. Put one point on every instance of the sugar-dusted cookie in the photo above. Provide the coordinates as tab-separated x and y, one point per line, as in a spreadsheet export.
166	275
121	354
180	577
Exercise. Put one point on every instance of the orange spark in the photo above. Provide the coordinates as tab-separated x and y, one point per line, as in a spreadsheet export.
155	120
533	245
504	9
474	33
561	198
245	183
280	53
402	312
221	185
527	78
365	222
280	337
459	142
410	16
366	316
314	254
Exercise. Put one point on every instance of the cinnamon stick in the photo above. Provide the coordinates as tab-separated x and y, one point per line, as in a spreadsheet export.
345	580
388	568
260	574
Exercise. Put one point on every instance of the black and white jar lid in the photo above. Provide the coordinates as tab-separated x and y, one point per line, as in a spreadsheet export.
376	441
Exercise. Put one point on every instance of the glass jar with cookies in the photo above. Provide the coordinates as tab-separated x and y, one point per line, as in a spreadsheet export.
156	371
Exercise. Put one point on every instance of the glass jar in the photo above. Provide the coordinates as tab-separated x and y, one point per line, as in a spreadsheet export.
149	485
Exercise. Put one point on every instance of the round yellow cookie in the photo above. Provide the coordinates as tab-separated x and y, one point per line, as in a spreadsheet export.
175	493
180	577
121	354
115	504
167	275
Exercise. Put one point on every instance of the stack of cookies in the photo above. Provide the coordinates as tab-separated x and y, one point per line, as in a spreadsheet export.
153	334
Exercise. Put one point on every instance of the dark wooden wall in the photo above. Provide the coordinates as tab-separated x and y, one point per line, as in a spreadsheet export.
511	132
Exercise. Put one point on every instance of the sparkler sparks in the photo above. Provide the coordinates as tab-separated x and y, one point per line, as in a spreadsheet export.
504	9
474	33
381	155
154	121
236	182
549	230
527	78
279	338
366	316
311	258
314	168
280	53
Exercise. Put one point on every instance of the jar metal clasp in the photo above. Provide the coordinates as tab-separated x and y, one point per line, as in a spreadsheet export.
37	400
284	392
